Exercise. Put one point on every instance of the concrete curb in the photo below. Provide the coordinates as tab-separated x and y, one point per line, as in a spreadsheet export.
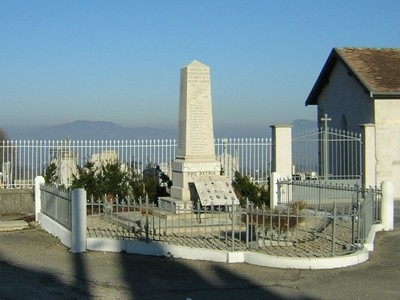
142	248
13	225
254	258
306	262
369	242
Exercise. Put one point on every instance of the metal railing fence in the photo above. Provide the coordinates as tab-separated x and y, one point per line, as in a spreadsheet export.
327	153
56	204
362	205
293	229
296	230
318	193
22	161
321	194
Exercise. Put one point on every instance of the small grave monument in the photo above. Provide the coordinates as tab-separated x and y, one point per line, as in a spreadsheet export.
196	170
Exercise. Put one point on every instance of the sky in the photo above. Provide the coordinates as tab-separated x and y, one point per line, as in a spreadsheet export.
120	61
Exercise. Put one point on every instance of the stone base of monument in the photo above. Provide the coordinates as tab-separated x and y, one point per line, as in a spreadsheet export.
173	205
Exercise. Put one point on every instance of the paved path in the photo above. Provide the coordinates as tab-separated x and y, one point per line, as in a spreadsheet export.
34	265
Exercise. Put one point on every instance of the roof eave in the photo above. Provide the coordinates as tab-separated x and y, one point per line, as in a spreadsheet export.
354	72
385	95
322	79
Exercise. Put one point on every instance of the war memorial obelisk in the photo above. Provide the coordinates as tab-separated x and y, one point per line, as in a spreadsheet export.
196	170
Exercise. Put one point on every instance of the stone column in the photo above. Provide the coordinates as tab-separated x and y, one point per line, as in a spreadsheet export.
39	180
282	150
369	163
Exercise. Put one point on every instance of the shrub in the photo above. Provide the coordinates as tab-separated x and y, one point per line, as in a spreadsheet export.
279	220
112	179
246	189
135	182
50	173
156	182
87	178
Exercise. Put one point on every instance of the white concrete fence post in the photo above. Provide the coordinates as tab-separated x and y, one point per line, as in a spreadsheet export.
39	180
369	164
282	164
387	213
274	189
78	224
282	150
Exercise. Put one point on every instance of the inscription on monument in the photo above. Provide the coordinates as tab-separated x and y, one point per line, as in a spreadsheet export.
195	128
196	170
198	114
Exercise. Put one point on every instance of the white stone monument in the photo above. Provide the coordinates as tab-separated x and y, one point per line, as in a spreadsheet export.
196	170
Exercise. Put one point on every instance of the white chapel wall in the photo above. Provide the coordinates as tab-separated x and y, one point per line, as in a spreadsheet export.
387	129
343	95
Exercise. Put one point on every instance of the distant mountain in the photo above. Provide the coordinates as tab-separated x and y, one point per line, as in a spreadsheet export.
300	125
89	130
99	130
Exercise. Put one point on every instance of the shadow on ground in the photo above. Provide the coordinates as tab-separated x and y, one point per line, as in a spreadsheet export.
97	275
34	265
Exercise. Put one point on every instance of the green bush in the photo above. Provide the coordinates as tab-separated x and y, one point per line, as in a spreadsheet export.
88	178
135	182
113	179
50	173
246	189
156	182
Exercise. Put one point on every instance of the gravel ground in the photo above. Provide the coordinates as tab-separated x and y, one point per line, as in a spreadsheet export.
305	240
34	265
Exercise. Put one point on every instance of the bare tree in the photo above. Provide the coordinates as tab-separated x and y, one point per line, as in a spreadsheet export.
3	135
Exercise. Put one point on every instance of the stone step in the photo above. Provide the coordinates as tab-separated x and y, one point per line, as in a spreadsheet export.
13	225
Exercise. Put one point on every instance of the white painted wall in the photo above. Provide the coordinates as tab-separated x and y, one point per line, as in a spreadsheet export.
343	97
387	128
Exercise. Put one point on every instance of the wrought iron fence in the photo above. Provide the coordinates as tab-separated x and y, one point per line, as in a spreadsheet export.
22	161
301	231
294	229
56	204
350	200
321	194
327	153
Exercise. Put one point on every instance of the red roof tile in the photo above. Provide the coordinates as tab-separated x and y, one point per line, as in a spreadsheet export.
379	68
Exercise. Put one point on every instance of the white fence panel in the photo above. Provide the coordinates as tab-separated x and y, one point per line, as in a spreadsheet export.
328	154
22	161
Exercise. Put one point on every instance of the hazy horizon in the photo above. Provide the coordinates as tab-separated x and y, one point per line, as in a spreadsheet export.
85	129
120	61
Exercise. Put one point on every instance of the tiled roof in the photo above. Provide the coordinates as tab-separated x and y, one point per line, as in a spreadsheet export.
378	68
